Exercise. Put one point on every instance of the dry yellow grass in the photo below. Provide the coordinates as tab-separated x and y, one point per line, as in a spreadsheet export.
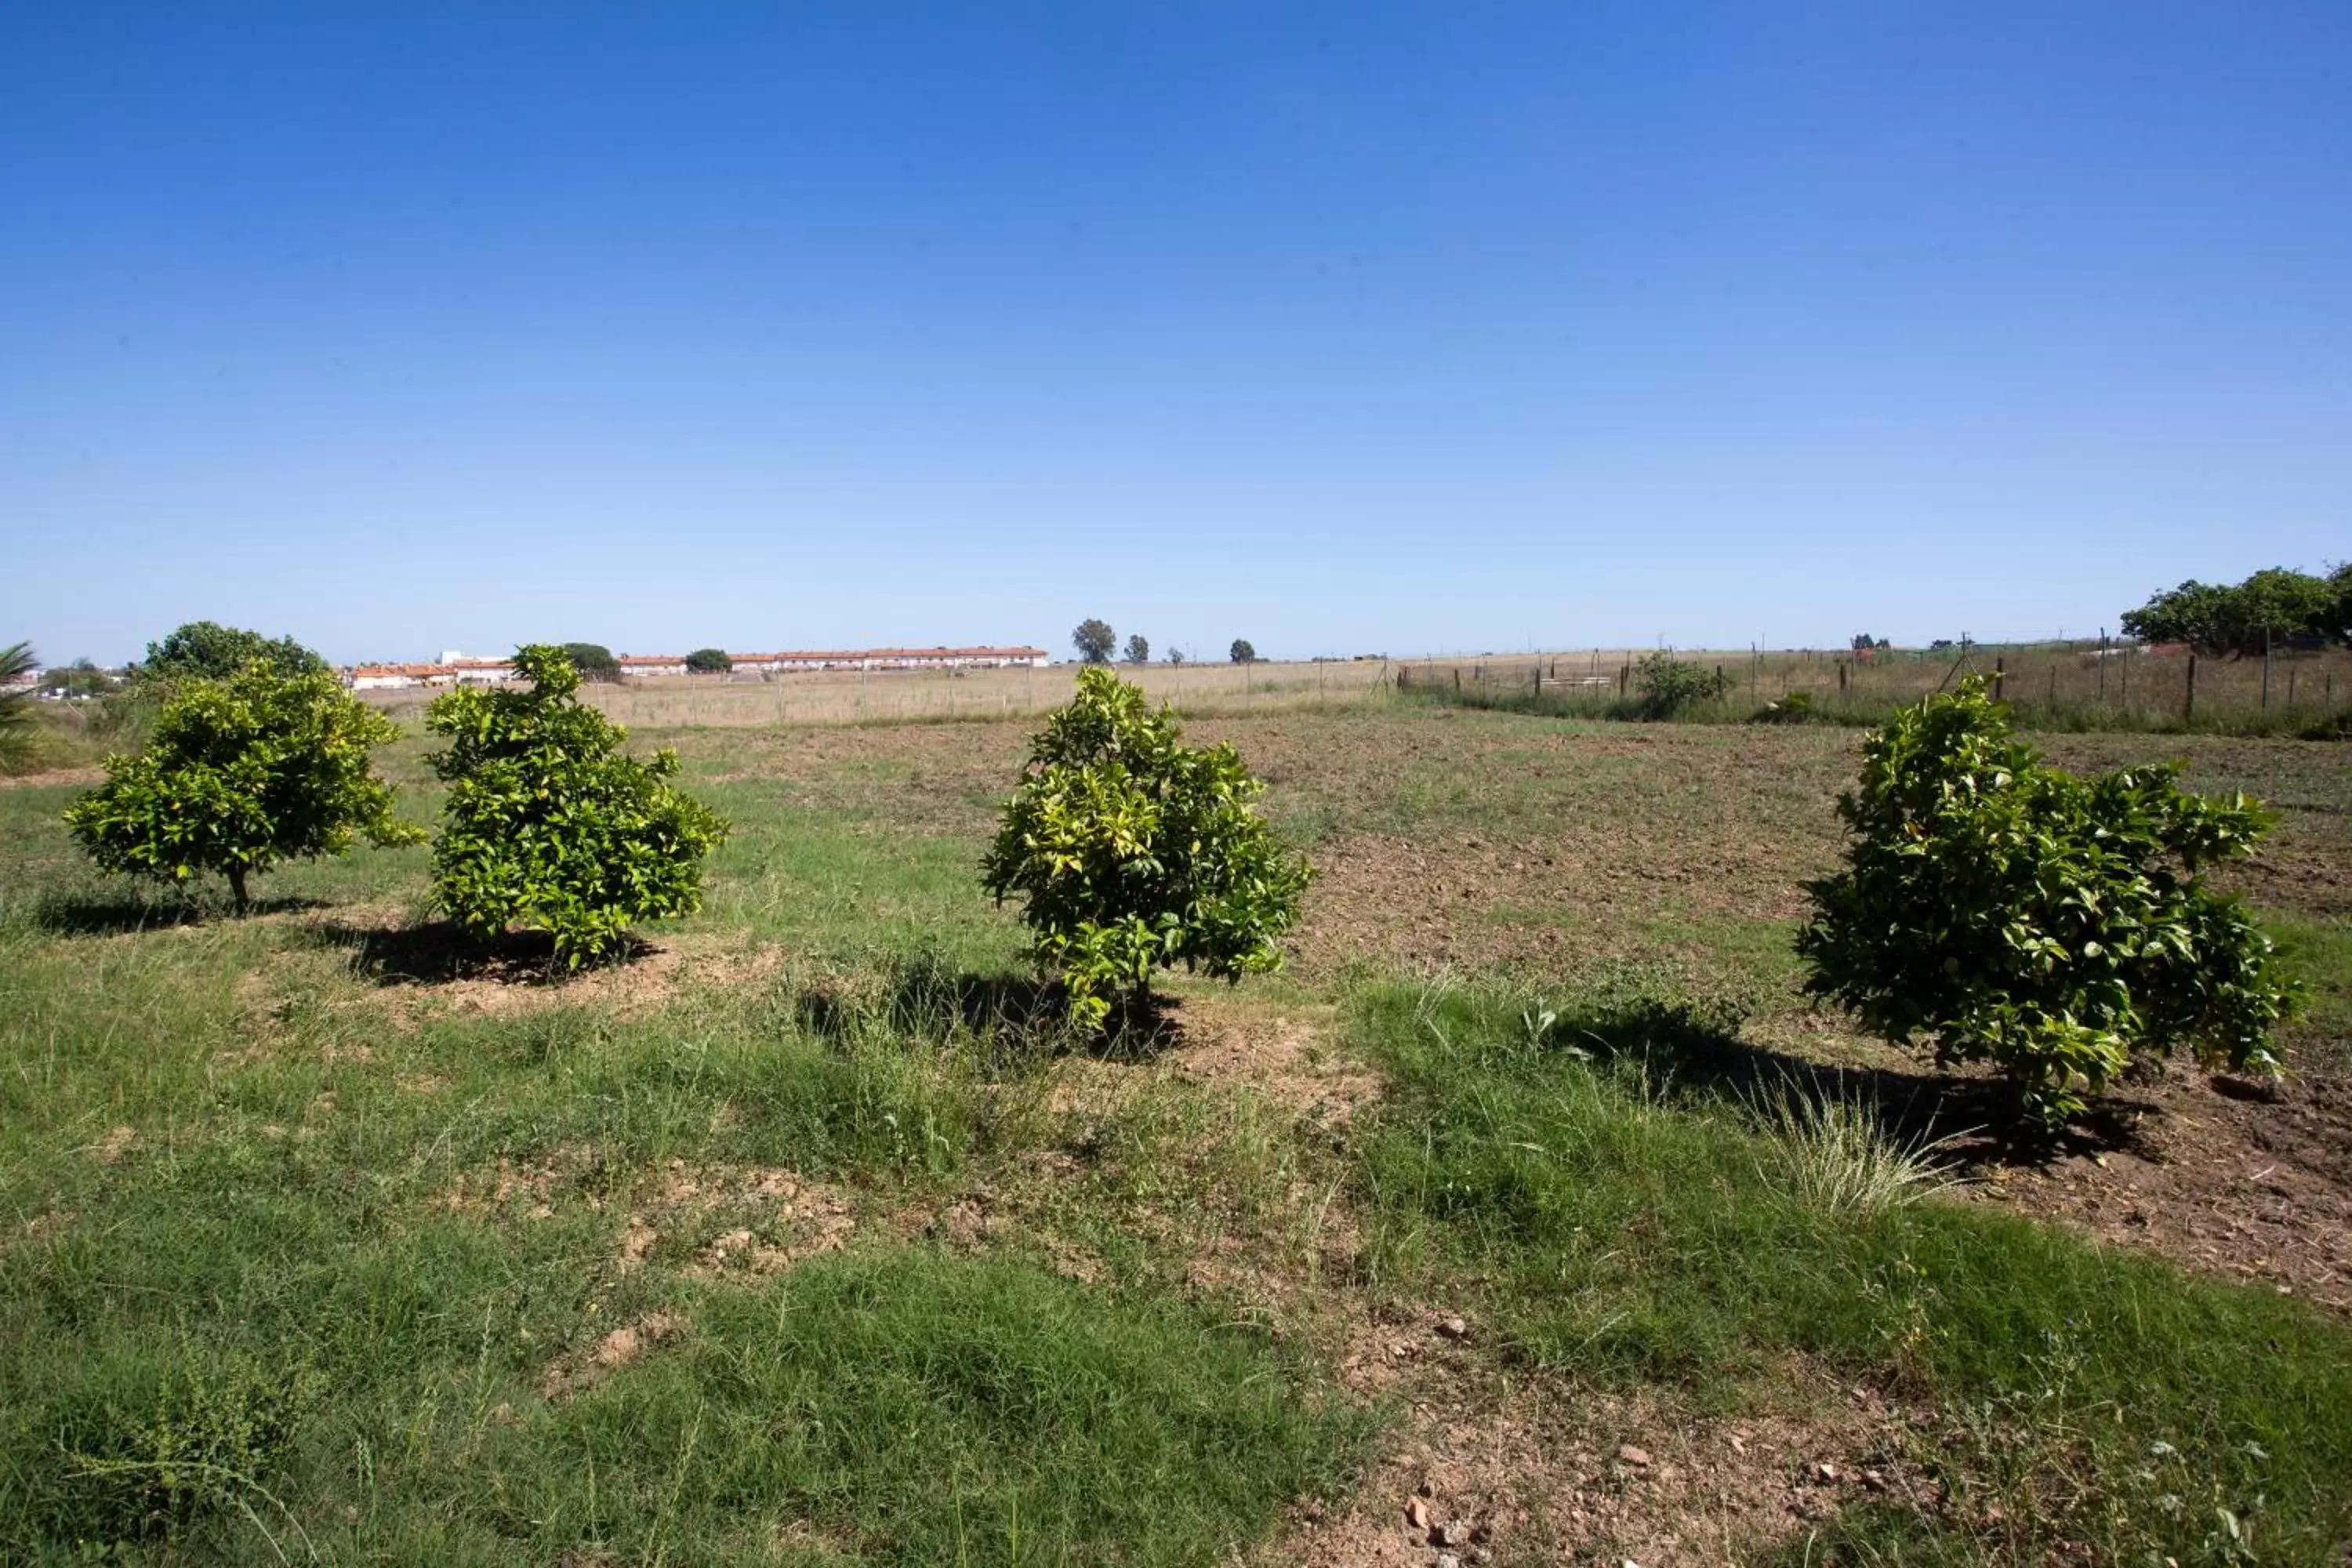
850	696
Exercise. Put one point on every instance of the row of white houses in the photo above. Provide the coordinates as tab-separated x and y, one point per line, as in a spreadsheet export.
455	669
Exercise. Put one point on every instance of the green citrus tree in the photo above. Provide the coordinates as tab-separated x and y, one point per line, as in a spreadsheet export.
268	765
1132	852
2056	926
551	826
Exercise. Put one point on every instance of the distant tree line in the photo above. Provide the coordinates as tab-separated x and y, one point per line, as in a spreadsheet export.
2278	606
1094	641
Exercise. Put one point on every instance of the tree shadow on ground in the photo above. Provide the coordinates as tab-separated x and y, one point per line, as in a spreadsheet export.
1014	1017
115	914
1975	1118
440	953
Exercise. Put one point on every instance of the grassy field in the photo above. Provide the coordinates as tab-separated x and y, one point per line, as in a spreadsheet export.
795	1240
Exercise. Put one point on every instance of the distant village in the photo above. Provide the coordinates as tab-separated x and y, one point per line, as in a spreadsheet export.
456	669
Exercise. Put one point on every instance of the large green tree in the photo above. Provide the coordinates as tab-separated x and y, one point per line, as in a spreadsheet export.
1094	639
265	765
594	662
207	650
550	824
709	661
2242	618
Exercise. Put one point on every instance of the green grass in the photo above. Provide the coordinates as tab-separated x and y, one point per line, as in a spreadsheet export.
2318	953
283	1210
357	1219
1624	1226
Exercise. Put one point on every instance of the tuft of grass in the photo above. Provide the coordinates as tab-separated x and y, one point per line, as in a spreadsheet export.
1604	1210
1838	1158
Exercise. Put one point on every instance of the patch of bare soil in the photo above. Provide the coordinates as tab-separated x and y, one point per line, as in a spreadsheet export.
2251	1182
713	1220
1524	1470
52	776
437	968
1469	901
1285	1059
569	1376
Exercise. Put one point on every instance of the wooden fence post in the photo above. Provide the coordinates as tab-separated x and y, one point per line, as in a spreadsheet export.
2000	675
2188	704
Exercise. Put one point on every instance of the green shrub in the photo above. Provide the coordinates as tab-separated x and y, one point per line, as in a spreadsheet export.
1793	708
550	825
1669	685
1134	852
269	765
709	661
2053	926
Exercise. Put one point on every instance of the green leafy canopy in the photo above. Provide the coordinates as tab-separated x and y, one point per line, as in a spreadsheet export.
267	765
1134	852
2242	618
207	650
550	825
1094	640
2054	925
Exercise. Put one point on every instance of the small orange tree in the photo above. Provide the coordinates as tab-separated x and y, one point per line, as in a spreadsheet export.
549	825
268	765
1133	852
2055	926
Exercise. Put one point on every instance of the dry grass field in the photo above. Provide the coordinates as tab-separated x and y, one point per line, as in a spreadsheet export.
886	697
1472	1235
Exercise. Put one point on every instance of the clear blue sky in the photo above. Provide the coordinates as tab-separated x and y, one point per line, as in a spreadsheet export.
1342	327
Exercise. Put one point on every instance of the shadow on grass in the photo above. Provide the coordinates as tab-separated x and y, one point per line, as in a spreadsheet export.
1016	1016
113	914
1977	1119
440	953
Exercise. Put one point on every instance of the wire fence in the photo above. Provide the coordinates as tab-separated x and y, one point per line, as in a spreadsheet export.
2082	683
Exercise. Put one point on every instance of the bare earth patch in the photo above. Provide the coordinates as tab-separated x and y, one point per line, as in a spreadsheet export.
1523	1470
2254	1185
569	1376
764	1221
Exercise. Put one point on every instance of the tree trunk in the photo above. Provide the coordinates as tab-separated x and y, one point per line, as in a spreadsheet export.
236	886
